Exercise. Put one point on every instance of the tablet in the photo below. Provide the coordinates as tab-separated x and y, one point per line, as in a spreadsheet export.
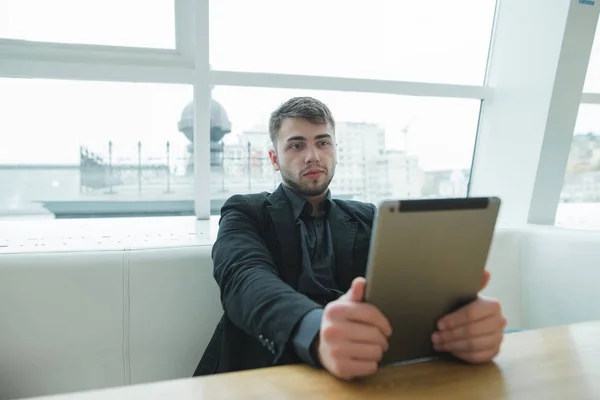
426	259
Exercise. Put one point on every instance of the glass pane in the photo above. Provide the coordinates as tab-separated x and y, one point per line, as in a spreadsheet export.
388	146
414	40
592	81
77	148
580	198
137	23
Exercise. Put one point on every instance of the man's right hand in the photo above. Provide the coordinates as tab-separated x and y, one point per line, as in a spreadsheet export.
354	335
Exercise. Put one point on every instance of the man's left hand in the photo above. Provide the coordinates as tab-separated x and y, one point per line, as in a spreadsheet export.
474	332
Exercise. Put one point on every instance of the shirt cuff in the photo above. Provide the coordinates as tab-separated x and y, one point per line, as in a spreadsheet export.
307	332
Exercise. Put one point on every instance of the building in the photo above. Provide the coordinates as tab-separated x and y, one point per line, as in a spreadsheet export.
581	187
446	183
360	161
366	171
360	173
405	177
585	154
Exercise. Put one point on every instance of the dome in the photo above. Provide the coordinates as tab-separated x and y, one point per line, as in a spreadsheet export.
219	121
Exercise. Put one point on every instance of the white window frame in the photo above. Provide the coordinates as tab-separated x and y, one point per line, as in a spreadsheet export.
537	70
577	45
590	98
540	95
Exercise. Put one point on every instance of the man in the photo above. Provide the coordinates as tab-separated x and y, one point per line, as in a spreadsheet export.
290	268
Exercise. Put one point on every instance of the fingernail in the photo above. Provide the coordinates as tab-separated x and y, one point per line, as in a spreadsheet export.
436	338
442	325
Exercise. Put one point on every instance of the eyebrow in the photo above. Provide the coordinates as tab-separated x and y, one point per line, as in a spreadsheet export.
302	138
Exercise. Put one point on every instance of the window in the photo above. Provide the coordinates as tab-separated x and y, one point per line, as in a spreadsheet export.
437	41
388	146
579	206
78	148
580	197
138	23
592	81
82	148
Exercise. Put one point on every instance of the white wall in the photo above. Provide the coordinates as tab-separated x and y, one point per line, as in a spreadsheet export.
82	320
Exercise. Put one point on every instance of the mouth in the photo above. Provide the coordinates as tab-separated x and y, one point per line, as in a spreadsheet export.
314	174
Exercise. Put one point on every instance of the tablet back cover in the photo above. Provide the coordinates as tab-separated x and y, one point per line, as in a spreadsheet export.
426	259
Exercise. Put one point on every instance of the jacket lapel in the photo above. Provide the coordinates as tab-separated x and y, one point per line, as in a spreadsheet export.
343	235
287	235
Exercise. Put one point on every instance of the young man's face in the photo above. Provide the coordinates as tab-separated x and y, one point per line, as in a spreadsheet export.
306	156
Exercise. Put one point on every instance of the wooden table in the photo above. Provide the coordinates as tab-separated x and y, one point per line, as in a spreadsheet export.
553	363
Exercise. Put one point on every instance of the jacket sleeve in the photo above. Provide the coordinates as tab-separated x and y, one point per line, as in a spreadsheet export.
252	294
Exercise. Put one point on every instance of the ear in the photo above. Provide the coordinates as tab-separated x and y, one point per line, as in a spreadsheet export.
274	159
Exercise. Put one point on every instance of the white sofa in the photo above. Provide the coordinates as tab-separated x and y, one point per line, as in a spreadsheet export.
560	276
90	319
74	321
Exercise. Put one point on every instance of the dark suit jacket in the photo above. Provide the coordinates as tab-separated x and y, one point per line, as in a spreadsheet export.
257	264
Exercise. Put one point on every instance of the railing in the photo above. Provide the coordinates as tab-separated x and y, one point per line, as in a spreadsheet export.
246	171
233	169
99	173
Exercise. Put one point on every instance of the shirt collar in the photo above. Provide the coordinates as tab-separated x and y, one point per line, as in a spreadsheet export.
301	206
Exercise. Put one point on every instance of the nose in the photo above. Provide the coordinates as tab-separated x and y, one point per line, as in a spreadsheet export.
312	155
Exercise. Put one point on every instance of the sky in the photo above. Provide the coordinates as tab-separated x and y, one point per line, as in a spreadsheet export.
437	41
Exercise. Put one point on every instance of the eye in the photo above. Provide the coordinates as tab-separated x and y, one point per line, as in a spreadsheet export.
324	143
295	146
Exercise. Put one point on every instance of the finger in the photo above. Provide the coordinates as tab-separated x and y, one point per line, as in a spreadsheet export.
479	357
477	310
349	368
357	290
471	345
365	334
486	279
479	328
369	315
353	332
365	352
340	313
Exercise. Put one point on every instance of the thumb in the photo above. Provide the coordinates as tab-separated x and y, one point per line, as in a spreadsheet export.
357	290
486	279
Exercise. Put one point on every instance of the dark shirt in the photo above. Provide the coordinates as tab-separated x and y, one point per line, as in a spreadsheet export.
318	262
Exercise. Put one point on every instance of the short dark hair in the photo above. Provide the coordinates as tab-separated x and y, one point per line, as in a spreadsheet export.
308	108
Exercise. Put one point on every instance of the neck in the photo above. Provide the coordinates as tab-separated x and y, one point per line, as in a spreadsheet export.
313	200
